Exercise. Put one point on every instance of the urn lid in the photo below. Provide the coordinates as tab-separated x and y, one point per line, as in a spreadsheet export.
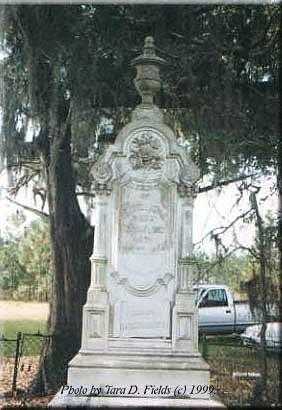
149	54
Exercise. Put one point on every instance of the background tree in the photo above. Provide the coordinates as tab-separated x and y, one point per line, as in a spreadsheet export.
233	270
67	69
263	288
26	266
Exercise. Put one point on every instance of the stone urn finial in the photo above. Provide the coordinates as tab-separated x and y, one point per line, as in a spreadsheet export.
147	81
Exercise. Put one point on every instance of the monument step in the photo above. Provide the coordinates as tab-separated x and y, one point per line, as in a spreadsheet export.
102	372
64	400
130	360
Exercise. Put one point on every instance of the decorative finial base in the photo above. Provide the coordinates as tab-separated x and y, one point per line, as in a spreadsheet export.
151	112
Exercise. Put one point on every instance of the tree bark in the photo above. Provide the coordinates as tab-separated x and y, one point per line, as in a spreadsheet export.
72	244
263	394
70	233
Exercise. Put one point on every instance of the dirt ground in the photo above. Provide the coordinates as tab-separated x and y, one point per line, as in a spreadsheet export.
12	310
27	371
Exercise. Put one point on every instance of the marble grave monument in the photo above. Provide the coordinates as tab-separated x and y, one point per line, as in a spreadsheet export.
140	323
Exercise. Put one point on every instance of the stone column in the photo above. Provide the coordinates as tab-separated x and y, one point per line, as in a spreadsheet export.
98	258
185	261
185	319
185	274
96	311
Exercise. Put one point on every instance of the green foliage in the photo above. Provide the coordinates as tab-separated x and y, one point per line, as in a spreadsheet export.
12	273
269	291
26	265
231	271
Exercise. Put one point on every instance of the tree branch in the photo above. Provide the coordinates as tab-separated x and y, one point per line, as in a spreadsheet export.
246	248
223	229
43	215
22	181
223	183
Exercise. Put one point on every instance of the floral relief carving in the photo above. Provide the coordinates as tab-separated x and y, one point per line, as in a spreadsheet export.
146	152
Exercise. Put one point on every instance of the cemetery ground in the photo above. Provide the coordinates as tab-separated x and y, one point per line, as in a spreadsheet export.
29	318
226	356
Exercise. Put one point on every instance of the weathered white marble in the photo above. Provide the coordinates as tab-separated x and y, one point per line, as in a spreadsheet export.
140	324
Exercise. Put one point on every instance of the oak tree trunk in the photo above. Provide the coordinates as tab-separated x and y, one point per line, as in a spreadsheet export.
72	244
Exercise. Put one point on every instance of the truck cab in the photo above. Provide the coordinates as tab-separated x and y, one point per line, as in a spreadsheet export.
218	313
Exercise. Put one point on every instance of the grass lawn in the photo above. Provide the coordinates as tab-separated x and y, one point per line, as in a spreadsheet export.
226	360
31	345
24	317
9	328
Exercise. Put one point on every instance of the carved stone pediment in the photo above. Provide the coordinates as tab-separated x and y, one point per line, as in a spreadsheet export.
147	154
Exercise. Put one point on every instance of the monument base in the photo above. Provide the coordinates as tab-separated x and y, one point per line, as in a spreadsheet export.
137	380
139	375
65	400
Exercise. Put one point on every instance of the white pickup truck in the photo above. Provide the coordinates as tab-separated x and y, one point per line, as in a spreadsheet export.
219	313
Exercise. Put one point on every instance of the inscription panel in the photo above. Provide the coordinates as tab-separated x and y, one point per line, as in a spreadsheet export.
142	308
144	234
143	318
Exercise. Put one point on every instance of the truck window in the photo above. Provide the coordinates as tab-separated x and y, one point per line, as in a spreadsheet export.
199	293
214	297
